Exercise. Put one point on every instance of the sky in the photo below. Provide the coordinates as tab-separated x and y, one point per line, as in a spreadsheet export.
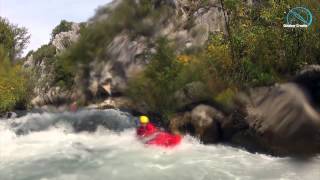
41	16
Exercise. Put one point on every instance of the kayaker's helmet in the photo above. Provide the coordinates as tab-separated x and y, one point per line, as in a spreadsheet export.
144	119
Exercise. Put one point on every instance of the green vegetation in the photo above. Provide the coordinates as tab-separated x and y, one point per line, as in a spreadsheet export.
64	26
156	87
14	86
257	51
263	51
13	39
45	53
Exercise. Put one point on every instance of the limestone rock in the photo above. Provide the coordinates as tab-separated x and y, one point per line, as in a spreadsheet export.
63	40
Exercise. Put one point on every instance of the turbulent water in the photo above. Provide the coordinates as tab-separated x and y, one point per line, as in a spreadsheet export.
49	149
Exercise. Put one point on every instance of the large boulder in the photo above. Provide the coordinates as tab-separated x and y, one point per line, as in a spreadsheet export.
281	120
190	93
309	80
202	122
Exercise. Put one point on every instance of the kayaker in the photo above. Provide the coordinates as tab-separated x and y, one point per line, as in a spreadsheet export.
146	131
149	134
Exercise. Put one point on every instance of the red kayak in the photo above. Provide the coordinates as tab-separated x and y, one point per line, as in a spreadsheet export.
165	139
150	135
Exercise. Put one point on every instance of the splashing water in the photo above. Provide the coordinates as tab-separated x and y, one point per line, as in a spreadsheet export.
53	151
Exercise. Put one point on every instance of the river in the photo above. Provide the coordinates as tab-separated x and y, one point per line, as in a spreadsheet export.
49	149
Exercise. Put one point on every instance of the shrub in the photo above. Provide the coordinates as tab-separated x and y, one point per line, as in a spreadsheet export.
258	50
45	52
64	74
13	83
157	85
64	26
226	96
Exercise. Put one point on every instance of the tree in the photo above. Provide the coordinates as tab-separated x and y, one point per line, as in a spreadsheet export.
14	86
13	38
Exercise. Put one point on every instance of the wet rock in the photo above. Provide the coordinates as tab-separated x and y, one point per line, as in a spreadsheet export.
8	115
309	80
206	122
181	124
203	122
282	121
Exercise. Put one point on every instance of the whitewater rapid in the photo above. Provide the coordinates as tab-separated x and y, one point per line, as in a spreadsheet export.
49	149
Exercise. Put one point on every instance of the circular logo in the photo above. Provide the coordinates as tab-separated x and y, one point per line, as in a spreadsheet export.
299	16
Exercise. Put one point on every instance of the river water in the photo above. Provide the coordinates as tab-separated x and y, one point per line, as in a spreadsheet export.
49	149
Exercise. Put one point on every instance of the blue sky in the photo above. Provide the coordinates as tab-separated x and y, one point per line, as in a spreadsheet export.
41	16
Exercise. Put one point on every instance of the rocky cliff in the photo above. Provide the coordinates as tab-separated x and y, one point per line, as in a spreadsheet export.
189	24
42	68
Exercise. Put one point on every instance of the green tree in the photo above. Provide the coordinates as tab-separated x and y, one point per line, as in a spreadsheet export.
262	50
14	85
157	85
13	38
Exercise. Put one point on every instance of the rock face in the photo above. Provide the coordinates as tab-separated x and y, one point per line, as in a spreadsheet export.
127	55
279	120
283	121
44	72
126	59
64	39
189	26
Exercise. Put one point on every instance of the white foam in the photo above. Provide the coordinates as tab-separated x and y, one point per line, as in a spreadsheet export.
58	153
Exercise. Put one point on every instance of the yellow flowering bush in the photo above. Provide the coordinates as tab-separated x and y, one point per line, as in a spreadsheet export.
184	59
13	83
